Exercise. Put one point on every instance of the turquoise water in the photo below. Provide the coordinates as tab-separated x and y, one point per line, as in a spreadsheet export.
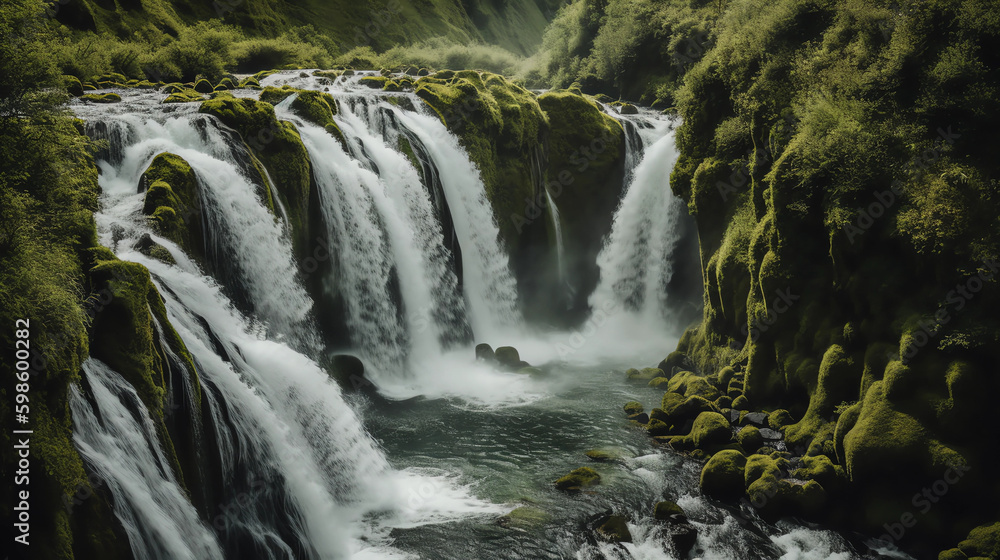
511	456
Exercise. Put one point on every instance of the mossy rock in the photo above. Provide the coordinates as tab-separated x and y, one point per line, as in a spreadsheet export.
184	96
627	109
525	517
633	407
274	95
73	85
102	97
226	83
723	474
582	477
680	410
982	542
392	86
645	374
675	359
485	352
173	203
657	427
604	455
741	403
319	108
659	383
750	439
779	419
821	469
330	74
668	511
374	82
709	429
203	86
112	77
614	529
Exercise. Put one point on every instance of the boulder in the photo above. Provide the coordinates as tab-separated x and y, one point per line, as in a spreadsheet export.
633	407
645	374
484	352
577	479
610	528
668	511
508	357
722	476
750	439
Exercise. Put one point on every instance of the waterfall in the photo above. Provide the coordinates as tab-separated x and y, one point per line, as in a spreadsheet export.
490	289
119	441
636	261
248	250
298	476
557	229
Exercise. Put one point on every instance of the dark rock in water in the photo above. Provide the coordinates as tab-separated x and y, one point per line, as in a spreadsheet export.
684	536
676	359
508	357
578	478
628	109
641	418
667	511
607	527
633	407
771	435
614	529
758	419
485	353
349	371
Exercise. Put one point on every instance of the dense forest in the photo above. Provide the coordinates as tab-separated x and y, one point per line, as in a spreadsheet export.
835	158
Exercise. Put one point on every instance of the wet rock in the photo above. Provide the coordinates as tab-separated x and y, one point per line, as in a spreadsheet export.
732	415
684	536
668	511
485	353
771	435
577	479
508	357
758	419
645	374
750	439
633	407
722	477
641	418
609	527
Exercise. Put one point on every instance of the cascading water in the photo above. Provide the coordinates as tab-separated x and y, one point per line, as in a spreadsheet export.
119	441
636	260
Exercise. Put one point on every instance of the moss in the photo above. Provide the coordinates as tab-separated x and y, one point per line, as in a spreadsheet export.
709	428
184	96
741	403
614	529
667	510
645	374
983	541
778	419
275	95
203	86
73	85
750	439
319	108
578	478
374	82
173	203
821	469
603	455
722	476
102	97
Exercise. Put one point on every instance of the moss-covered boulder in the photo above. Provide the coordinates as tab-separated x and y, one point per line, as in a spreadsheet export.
102	97
645	375
173	203
668	511
723	474
203	86
318	108
73	85
184	96
750	439
524	517
633	407
577	479
614	529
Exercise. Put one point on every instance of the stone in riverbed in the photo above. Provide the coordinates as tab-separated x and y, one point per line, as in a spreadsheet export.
758	419
645	374
723	475
668	511
508	357
750	439
608	527
684	536
641	418
771	435
485	353
577	479
633	407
